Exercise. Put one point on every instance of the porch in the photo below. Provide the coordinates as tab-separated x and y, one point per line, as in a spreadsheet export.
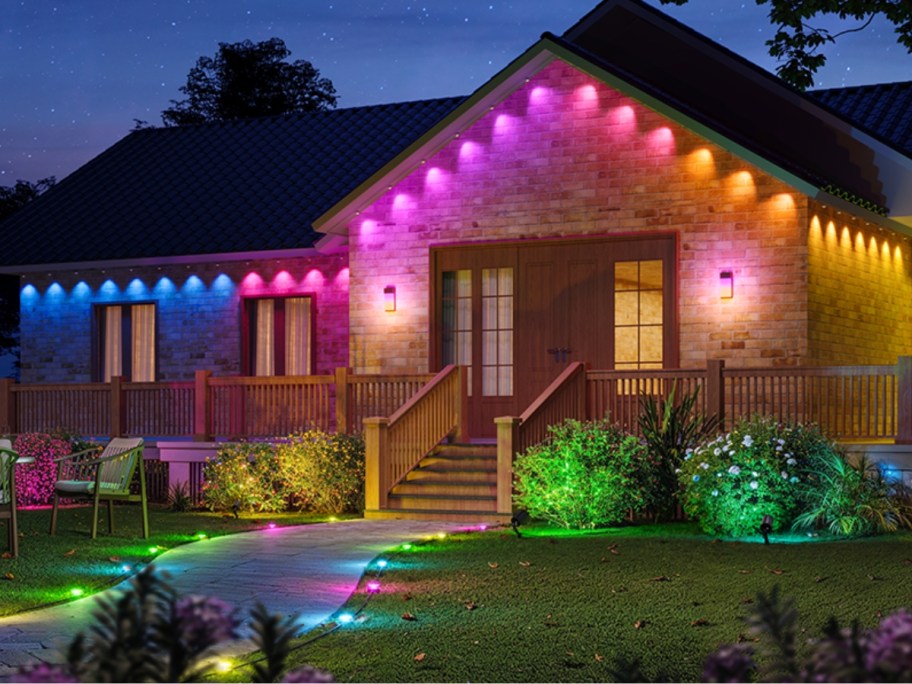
420	459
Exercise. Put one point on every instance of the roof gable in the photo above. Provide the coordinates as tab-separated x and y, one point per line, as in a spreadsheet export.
237	187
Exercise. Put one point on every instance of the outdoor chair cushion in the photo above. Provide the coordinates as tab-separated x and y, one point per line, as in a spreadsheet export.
83	487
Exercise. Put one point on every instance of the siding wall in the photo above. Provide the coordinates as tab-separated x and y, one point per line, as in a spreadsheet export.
565	155
199	313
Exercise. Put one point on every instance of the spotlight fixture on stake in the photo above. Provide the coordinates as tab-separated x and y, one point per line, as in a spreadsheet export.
766	527
389	298
518	519
726	285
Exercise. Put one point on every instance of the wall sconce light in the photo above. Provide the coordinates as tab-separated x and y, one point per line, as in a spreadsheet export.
726	285
389	298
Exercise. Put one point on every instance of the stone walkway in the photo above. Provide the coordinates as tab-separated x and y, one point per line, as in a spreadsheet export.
308	571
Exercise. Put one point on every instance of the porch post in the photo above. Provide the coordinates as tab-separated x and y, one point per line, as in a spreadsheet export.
462	420
202	408
8	406
118	407
507	442
715	390
342	426
376	435
904	400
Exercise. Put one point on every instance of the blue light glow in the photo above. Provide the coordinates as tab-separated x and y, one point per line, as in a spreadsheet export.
890	473
55	290
81	290
194	284
346	618
136	287
165	286
109	288
222	284
28	292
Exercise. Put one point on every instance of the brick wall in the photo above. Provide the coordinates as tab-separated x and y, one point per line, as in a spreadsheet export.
198	308
859	290
565	156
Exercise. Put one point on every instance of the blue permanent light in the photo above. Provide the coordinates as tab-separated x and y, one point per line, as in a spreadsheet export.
346	618
28	293
109	288
81	290
55	290
890	473
222	284
194	284
136	287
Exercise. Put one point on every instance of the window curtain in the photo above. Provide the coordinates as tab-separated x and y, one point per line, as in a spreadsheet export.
264	363
113	343
297	336
143	342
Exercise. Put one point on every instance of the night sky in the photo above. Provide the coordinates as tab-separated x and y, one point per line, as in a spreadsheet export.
76	73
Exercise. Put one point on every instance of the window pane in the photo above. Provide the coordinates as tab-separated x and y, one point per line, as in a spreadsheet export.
626	276
489	348
489	313
264	338
297	336
113	344
505	281
142	330
505	313
505	348
489	381
626	308
464	318
651	307
505	380
651	275
488	282
625	345
651	344
464	279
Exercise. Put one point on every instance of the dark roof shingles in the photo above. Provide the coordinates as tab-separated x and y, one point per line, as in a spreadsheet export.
249	185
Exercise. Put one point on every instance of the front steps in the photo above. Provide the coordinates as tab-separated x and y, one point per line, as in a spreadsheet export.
455	482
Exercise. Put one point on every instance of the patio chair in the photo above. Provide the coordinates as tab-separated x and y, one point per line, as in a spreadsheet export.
8	493
105	478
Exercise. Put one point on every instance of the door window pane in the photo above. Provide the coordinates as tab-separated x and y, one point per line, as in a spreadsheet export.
456	328
639	314
497	332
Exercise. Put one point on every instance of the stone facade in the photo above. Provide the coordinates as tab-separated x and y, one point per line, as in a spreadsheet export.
198	310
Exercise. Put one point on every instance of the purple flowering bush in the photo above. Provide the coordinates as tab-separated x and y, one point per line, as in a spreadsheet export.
150	634
881	654
35	481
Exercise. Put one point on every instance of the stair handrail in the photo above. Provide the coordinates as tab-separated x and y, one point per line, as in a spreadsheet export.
564	398
395	445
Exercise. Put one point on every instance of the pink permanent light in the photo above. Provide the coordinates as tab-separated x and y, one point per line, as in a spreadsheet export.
373	587
468	151
587	94
401	202
434	178
271	526
283	281
314	279
623	119
503	124
661	141
252	281
539	95
368	226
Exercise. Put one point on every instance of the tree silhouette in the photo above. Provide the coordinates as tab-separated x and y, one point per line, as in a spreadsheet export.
249	79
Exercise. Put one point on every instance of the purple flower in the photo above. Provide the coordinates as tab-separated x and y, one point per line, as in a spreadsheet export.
889	648
44	672
833	660
204	621
307	673
729	663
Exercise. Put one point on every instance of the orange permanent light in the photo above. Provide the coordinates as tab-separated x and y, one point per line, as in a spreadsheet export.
726	285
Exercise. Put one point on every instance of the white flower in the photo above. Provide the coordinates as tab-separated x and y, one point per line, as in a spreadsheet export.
677	470
755	474
747	441
784	474
715	492
716	451
781	441
704	465
688	456
779	447
791	461
734	470
754	484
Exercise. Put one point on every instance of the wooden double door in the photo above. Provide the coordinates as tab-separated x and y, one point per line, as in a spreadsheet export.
517	314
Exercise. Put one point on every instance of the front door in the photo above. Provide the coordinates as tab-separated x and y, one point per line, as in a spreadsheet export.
516	315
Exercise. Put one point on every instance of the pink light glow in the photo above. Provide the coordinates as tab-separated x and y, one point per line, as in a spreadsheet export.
342	277
503	124
314	279
368	226
271	526
283	281
587	93
623	119
468	151
434	178
401	202
539	95
373	587
661	141
252	281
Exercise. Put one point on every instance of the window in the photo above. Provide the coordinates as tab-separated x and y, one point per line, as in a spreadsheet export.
457	320
126	342
278	336
497	332
638	314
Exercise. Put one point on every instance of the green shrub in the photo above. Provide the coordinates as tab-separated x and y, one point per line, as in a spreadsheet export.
323	472
243	477
586	475
733	481
670	428
851	499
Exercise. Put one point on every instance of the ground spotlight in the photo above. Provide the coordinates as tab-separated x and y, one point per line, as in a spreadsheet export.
766	527
518	519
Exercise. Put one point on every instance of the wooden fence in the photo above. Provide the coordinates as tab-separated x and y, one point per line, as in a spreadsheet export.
209	407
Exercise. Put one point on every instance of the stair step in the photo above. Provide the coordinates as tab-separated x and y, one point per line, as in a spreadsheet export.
470	518
441	502
462	450
446	488
440	474
460	462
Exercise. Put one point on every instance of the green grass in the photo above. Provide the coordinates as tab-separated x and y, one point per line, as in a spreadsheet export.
49	568
556	606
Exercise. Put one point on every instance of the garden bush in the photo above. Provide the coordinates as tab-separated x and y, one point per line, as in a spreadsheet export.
243	477
323	472
35	481
588	474
732	482
851	498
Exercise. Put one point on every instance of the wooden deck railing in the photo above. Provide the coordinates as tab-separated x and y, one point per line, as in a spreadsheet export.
394	445
208	407
564	398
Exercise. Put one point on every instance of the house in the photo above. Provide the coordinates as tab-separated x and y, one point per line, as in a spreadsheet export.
585	205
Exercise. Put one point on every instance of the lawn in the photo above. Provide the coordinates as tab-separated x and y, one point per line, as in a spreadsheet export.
557	606
49	569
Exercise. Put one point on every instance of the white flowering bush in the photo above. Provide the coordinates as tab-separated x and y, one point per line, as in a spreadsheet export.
731	482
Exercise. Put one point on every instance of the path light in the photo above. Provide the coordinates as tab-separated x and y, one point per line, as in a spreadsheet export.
373	587
381	563
346	618
518	519
389	298
766	527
